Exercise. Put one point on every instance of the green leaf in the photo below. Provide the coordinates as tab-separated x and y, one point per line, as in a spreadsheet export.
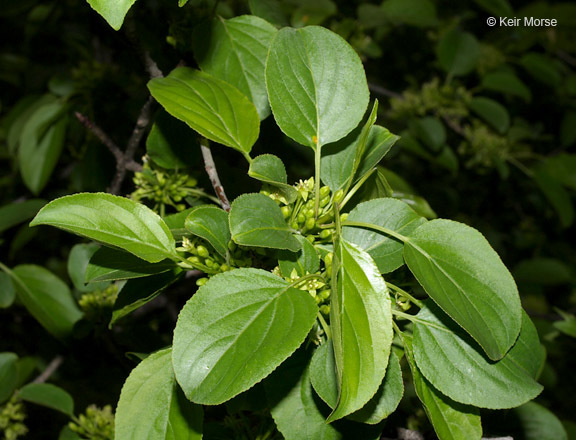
361	324
256	220
236	53
41	143
135	293
236	330
16	213
507	83
499	8
380	406
212	107
421	13
47	298
269	10
78	261
455	365
270	169
48	395
451	420
292	399
458	52
165	144
210	223
108	264
113	11
305	261
111	220
311	75
8	375
463	274
338	158
152	407
20	115
562	167
539	423
388	213
67	434
492	112
431	131
402	190
7	291
542	68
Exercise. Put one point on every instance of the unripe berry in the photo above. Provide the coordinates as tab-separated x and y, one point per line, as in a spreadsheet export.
325	233
325	309
201	281
325	294
286	211
202	251
310	223
324	191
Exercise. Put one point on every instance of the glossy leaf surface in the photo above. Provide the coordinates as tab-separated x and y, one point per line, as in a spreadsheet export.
463	274
212	107
236	330
111	220
311	75
454	364
113	11
256	220
210	223
152	406
391	214
361	323
236	53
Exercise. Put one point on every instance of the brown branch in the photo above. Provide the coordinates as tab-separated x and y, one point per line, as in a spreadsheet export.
99	133
210	167
50	370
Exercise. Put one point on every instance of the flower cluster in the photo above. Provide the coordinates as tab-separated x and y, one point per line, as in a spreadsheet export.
12	416
98	303
95	424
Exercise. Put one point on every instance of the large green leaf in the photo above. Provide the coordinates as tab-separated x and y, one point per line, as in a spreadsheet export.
47	298
256	220
16	213
48	395
311	75
8	375
270	169
305	261
292	398
458	52
361	323
391	214
467	279
380	406
41	143
111	220
78	261
451	420
492	112
211	223
454	364
236	330
236	53
108	264
507	83
152	407
135	293
113	11
212	107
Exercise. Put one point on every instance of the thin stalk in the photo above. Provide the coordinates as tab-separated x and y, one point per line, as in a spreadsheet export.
356	187
306	278
413	318
317	160
325	326
405	294
382	229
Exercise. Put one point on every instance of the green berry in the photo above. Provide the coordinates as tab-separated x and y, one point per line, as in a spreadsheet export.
201	281
286	211
325	309
325	233
325	294
324	191
338	195
310	223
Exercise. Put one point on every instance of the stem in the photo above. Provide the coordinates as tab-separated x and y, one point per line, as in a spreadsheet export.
317	160
325	326
382	229
405	294
50	370
210	167
413	318
306	278
520	166
356	187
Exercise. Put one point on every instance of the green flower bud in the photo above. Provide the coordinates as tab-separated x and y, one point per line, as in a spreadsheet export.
301	218
194	260
201	281
286	211
209	262
344	217
328	258
325	294
324	201
202	251
294	225
325	233
325	309
310	238
231	246
338	196
324	191
224	268
318	299
310	223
